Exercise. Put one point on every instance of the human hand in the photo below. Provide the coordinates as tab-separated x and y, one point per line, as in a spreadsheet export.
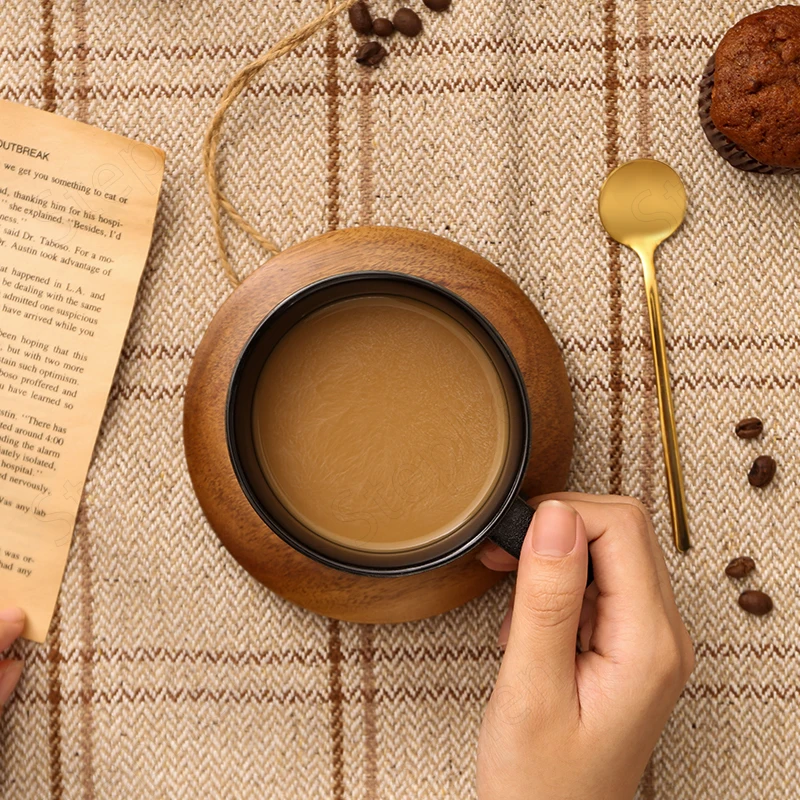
563	722
12	621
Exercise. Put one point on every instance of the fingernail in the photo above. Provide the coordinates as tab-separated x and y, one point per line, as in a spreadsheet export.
486	552
505	630
12	615
9	677
502	638
555	527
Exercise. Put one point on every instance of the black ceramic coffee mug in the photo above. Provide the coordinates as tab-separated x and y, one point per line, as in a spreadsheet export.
503	517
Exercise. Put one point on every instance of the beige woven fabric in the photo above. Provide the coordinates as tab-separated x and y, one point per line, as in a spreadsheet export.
169	673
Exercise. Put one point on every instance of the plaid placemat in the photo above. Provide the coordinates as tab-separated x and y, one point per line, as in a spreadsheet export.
169	673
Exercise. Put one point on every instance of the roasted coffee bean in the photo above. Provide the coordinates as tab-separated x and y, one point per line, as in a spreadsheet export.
383	27
370	54
407	22
762	471
754	602
739	567
749	428
437	5
360	18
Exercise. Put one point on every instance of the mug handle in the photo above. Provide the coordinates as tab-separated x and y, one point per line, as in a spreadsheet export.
509	533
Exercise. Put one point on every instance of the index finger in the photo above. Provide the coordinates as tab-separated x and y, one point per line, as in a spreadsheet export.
12	621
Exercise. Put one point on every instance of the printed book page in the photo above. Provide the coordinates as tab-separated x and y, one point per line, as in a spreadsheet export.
77	207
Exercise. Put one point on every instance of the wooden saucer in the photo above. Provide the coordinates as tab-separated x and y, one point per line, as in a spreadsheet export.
271	561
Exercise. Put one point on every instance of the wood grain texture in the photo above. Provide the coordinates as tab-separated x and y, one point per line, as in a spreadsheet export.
271	561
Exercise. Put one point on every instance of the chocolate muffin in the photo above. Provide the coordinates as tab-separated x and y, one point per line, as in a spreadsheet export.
750	93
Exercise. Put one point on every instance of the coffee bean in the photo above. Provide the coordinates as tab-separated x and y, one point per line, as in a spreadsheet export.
407	22
370	54
749	428
437	5
739	567
383	27
754	602
360	18
762	471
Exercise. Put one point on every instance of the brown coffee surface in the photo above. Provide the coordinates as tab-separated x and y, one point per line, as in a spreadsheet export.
381	423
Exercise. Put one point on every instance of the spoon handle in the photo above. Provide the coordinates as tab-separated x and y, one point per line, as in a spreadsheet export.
669	437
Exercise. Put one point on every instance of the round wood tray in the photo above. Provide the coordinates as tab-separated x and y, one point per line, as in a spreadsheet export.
270	560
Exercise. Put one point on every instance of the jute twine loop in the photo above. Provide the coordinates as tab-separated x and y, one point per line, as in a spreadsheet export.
242	79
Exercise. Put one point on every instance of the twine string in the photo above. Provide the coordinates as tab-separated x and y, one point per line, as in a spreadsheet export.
218	201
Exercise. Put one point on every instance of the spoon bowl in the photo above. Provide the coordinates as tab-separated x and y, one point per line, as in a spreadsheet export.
642	203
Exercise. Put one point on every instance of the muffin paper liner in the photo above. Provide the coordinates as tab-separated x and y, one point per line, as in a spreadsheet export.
731	152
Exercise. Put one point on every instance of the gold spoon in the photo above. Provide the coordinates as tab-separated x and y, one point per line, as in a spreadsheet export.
641	204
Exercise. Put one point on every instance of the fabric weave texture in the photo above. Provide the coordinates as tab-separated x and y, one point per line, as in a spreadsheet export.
169	672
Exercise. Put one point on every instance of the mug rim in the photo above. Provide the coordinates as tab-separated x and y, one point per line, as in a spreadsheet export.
241	474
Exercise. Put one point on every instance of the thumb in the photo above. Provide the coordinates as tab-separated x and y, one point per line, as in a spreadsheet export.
551	582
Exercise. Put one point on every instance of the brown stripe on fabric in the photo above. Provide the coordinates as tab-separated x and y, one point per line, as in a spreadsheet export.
570	344
647	786
311	656
81	58
440	86
741	691
48	58
550	45
611	83
632	383
367	652
54	700
308	656
472	45
332	92
161	655
649	401
115	697
611	101
712	343
746	650
154	52
335	695
336	700
446	654
643	45
197	92
366	184
83	544
119	695
604	382
53	650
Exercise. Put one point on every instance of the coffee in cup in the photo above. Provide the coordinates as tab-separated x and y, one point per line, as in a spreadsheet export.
381	422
